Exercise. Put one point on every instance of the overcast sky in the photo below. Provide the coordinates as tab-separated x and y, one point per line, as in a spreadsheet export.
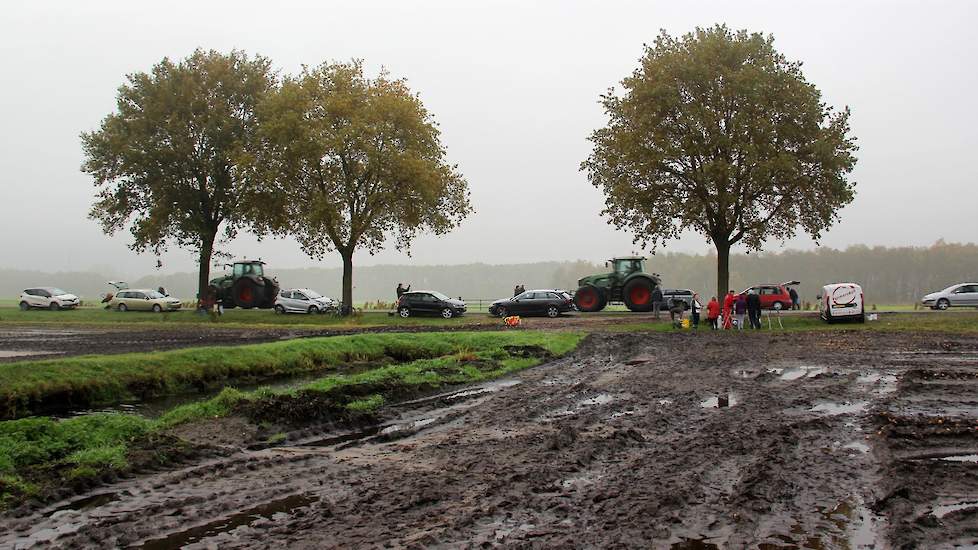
514	86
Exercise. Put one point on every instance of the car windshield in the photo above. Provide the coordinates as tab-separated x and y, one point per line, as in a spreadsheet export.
56	291
153	295
440	296
312	294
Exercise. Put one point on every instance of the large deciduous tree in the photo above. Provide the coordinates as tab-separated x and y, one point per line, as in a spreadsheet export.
716	131
359	161
174	162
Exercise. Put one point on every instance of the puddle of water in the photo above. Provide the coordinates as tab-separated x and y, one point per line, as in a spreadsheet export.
883	383
858	527
795	373
694	544
194	534
344	438
960	458
620	414
602	399
719	401
12	353
829	408
857	446
92	501
942	510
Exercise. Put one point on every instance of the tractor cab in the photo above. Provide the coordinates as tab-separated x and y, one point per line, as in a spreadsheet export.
623	267
248	268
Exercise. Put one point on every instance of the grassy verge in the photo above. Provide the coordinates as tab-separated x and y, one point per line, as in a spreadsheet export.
954	322
40	454
29	387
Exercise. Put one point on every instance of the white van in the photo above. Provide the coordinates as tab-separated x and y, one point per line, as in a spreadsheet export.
842	301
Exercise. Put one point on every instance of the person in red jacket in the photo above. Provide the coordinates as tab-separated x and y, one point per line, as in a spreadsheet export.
713	312
728	303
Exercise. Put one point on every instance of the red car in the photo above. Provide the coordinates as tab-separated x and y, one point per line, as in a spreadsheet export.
773	296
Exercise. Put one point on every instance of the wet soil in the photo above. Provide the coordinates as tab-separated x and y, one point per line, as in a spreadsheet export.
635	441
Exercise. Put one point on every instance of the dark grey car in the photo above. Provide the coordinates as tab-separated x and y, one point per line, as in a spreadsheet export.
429	302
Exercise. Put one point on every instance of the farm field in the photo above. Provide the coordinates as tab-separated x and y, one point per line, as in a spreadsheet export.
814	435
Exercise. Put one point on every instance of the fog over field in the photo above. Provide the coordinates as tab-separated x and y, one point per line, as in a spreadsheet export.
515	88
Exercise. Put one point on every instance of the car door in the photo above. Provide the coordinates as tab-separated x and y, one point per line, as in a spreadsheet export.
427	303
964	295
43	297
32	298
521	304
769	295
301	301
136	301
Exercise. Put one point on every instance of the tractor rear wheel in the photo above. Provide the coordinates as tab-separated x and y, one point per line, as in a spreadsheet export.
247	293
638	294
590	298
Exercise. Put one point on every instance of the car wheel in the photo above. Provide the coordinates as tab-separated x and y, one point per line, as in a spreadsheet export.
279	309
501	312
123	308
313	310
943	304
24	306
553	312
778	306
447	313
53	306
157	308
404	312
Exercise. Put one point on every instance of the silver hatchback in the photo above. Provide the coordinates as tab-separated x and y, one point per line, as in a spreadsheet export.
303	300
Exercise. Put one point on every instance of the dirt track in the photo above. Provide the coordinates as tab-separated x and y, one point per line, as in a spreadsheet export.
832	440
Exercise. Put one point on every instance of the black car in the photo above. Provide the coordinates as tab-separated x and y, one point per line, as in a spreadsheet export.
429	302
682	294
534	302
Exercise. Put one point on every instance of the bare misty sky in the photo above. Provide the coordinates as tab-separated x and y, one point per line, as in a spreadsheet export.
514	86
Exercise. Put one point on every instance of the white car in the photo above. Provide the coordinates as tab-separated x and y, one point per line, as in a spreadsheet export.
959	295
303	300
842	301
47	297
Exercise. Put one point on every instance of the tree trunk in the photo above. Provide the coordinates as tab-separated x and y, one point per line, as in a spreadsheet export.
347	306
204	273
723	268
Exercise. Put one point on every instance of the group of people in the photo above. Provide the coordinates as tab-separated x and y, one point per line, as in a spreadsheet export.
519	289
734	310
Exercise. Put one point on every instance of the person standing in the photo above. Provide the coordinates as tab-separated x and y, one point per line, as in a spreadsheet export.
728	304
694	310
795	304
656	302
754	309
740	310
713	312
401	290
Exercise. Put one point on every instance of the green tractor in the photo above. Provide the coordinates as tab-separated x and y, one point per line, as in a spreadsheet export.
246	287
628	282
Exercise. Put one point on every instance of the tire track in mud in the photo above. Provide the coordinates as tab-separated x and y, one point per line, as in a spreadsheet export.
619	445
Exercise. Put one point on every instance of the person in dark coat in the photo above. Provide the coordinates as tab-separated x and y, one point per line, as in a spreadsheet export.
754	309
794	298
401	290
694	309
656	301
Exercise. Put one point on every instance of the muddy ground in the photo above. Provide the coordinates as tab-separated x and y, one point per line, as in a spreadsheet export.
829	440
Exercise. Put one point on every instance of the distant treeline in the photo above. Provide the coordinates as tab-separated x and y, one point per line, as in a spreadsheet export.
888	275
